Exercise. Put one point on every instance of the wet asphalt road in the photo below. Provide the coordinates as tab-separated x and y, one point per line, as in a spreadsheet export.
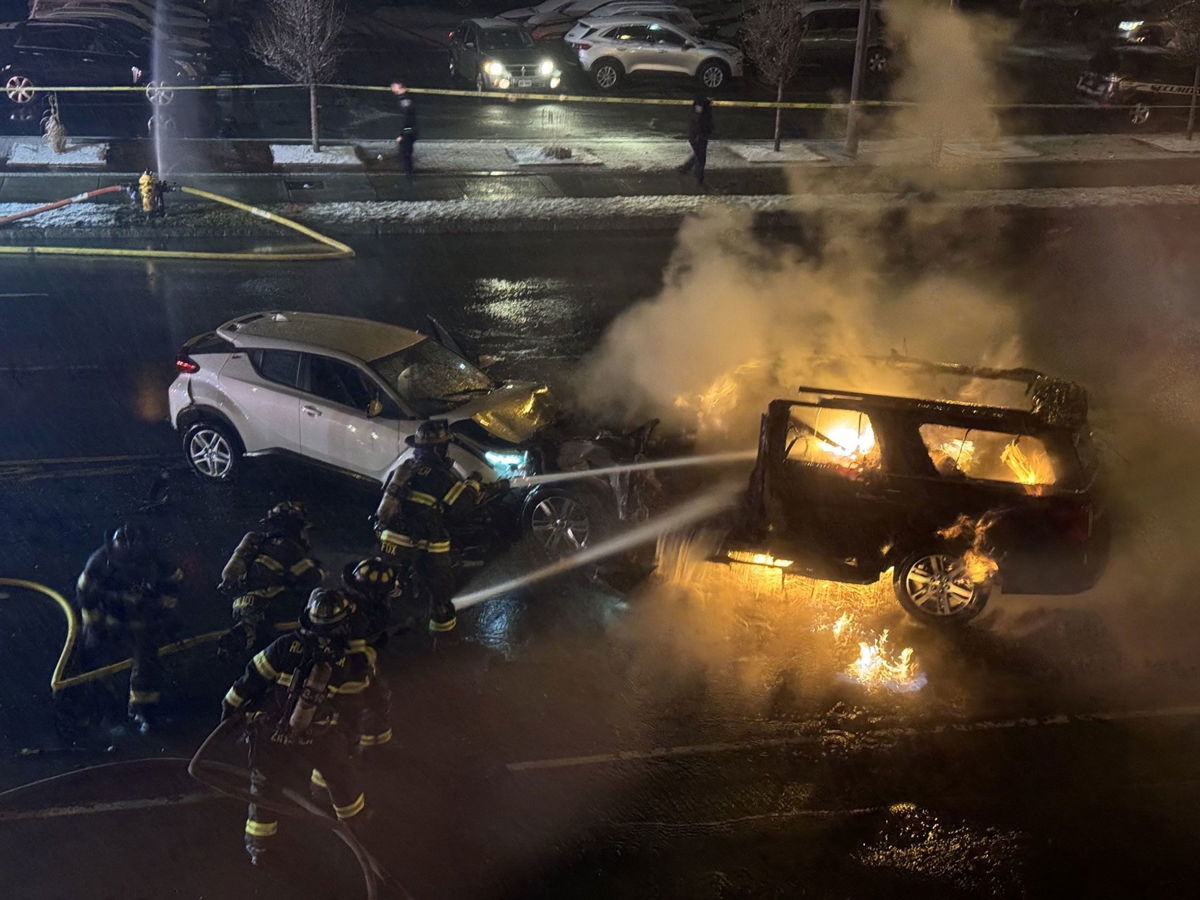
576	741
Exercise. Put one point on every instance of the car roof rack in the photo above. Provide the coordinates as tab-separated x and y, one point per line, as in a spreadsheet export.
1054	401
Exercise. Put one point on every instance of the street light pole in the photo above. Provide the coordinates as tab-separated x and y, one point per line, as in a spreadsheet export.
860	58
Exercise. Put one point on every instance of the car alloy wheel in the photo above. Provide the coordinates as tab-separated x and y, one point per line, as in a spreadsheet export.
159	94
937	586
561	525
161	123
210	454
713	76
1140	114
607	77
19	89
877	62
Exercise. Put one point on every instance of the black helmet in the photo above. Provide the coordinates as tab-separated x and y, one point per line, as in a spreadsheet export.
372	577
287	518
128	541
327	613
431	433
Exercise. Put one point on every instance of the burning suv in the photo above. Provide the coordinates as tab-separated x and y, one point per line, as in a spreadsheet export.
345	393
954	498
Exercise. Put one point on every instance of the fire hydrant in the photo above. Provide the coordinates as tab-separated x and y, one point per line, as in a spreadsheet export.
147	194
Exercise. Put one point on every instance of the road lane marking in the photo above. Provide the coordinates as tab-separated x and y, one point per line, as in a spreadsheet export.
57	812
663	753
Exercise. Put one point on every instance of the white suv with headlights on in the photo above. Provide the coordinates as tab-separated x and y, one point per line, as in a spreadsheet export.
610	49
345	393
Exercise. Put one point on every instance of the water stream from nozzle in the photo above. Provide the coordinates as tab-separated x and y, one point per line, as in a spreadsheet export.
694	510
708	460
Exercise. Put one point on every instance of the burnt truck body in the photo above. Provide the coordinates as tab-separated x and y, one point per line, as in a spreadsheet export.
954	498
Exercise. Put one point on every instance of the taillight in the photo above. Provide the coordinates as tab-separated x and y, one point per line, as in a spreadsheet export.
583	46
1073	520
186	364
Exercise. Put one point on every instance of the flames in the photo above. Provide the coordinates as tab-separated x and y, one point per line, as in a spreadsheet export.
879	665
720	400
978	564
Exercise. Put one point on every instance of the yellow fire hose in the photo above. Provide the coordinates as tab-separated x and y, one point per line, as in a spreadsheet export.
57	681
332	249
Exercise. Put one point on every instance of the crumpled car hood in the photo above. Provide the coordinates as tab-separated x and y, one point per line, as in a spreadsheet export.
514	413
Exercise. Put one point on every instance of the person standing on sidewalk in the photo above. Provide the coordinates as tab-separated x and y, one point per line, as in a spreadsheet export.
408	126
700	128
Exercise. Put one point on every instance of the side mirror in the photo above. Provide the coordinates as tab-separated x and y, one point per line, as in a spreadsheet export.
374	408
486	361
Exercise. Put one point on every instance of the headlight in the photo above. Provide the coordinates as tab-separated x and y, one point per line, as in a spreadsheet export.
1131	24
493	68
507	464
547	67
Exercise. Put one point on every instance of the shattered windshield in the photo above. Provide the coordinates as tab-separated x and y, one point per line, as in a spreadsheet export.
430	379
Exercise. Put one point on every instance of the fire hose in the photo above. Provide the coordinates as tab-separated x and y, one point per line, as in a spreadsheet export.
230	780
335	249
57	681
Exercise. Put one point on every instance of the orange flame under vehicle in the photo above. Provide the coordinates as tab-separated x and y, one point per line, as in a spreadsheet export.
955	498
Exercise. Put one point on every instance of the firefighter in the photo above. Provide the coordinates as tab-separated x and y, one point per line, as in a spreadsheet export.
127	599
419	500
270	573
301	698
370	584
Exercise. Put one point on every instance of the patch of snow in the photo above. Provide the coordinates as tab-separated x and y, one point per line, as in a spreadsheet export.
764	152
535	155
1176	143
303	155
77	215
997	149
39	154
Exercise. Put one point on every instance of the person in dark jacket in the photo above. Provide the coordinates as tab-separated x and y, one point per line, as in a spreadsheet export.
127	598
700	128
407	138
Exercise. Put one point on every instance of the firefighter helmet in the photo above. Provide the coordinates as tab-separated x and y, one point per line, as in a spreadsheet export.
431	433
128	541
287	518
372	577
327	613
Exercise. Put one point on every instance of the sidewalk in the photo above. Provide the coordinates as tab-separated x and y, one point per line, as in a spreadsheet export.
489	183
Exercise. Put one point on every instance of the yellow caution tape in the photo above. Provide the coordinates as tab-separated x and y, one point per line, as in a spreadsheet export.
57	681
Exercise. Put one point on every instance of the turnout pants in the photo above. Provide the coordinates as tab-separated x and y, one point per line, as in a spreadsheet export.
430	562
329	763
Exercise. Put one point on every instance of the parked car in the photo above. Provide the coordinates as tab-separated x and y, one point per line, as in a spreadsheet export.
953	498
1146	32
189	37
345	393
552	26
831	33
1138	83
41	52
609	50
498	55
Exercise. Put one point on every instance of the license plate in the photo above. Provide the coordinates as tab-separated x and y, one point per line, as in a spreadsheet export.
524	82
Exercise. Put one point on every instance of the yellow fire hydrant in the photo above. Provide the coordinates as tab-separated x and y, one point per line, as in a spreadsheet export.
148	194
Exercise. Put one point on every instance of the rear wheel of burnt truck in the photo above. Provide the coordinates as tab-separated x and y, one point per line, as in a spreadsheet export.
562	521
933	586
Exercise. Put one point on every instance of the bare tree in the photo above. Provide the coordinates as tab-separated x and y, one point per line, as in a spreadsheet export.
1186	19
774	31
299	38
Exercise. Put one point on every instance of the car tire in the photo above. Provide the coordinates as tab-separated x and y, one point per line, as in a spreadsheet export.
713	75
213	451
480	83
607	74
162	123
19	89
159	94
561	521
877	61
950	598
1139	115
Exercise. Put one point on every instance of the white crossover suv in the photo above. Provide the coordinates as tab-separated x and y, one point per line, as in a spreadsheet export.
345	393
610	49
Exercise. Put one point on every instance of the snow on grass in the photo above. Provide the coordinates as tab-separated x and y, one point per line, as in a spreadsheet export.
303	155
1176	143
535	155
37	153
764	152
997	149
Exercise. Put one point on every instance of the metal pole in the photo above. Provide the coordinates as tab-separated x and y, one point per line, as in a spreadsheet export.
860	59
